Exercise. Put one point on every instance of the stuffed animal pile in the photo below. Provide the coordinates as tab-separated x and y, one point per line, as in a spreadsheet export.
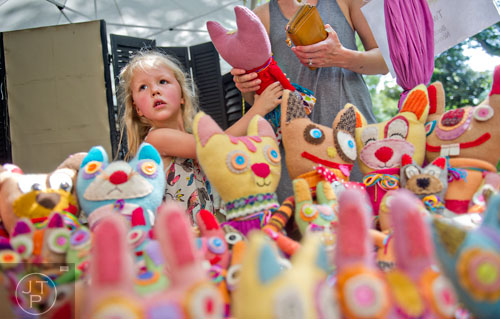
418	238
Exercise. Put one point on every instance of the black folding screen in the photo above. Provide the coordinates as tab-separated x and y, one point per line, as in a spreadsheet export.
5	149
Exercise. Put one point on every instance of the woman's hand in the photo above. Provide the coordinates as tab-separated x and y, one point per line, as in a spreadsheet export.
246	83
326	53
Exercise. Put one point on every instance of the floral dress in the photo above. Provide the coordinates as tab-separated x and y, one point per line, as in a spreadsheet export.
188	185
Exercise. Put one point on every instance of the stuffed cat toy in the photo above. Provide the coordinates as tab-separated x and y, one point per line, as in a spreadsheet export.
428	183
244	170
248	48
136	185
380	146
469	136
266	290
319	160
35	196
413	288
190	294
471	259
41	246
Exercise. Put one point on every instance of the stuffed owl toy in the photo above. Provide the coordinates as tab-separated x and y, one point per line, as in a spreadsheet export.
469	136
380	146
471	259
428	183
126	187
248	48
244	170
267	289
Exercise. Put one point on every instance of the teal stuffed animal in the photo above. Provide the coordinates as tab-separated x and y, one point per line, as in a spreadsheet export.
471	259
128	187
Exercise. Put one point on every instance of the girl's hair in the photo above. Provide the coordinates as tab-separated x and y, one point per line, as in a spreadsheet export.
138	127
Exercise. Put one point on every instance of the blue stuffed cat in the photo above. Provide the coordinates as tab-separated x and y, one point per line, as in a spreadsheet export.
134	189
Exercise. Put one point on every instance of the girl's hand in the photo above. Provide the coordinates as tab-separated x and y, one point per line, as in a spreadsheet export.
246	83
326	53
269	99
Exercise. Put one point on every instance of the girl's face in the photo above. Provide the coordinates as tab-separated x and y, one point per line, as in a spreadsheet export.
157	95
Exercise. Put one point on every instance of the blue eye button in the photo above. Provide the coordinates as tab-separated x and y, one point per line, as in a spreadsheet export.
316	133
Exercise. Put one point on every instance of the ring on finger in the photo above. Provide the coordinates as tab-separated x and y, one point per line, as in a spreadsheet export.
310	62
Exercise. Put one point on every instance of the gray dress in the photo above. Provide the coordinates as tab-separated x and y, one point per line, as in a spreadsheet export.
333	87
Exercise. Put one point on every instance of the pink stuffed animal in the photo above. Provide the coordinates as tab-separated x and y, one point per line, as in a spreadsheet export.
248	48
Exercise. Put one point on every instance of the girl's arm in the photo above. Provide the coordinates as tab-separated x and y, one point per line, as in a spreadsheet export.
172	142
263	104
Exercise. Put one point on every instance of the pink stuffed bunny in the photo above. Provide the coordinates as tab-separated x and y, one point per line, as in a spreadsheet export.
248	48
190	293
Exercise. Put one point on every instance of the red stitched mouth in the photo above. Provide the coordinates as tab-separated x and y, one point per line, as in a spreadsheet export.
478	141
324	162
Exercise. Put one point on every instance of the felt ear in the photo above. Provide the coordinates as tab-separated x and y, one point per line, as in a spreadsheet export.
55	220
174	234
111	263
406	160
96	153
492	215
360	119
495	88
268	267
436	98
217	34
439	162
246	21
204	128
412	242
147	151
312	253
23	226
291	107
258	126
354	245
417	102
448	235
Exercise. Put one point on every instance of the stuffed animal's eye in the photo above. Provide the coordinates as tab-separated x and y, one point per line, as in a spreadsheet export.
9	258
309	213
347	144
59	240
433	171
92	169
29	183
216	245
429	127
61	181
237	161
272	154
23	245
483	112
233	276
148	168
411	171
369	135
203	302
313	134
136	237
80	238
233	238
397	128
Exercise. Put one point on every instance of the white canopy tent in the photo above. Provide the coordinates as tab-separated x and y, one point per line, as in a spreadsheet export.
169	22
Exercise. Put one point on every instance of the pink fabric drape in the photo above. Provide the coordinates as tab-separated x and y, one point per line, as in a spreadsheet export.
410	33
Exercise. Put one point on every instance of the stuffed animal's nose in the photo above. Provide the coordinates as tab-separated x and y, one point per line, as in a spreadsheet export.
384	154
48	200
261	169
118	177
